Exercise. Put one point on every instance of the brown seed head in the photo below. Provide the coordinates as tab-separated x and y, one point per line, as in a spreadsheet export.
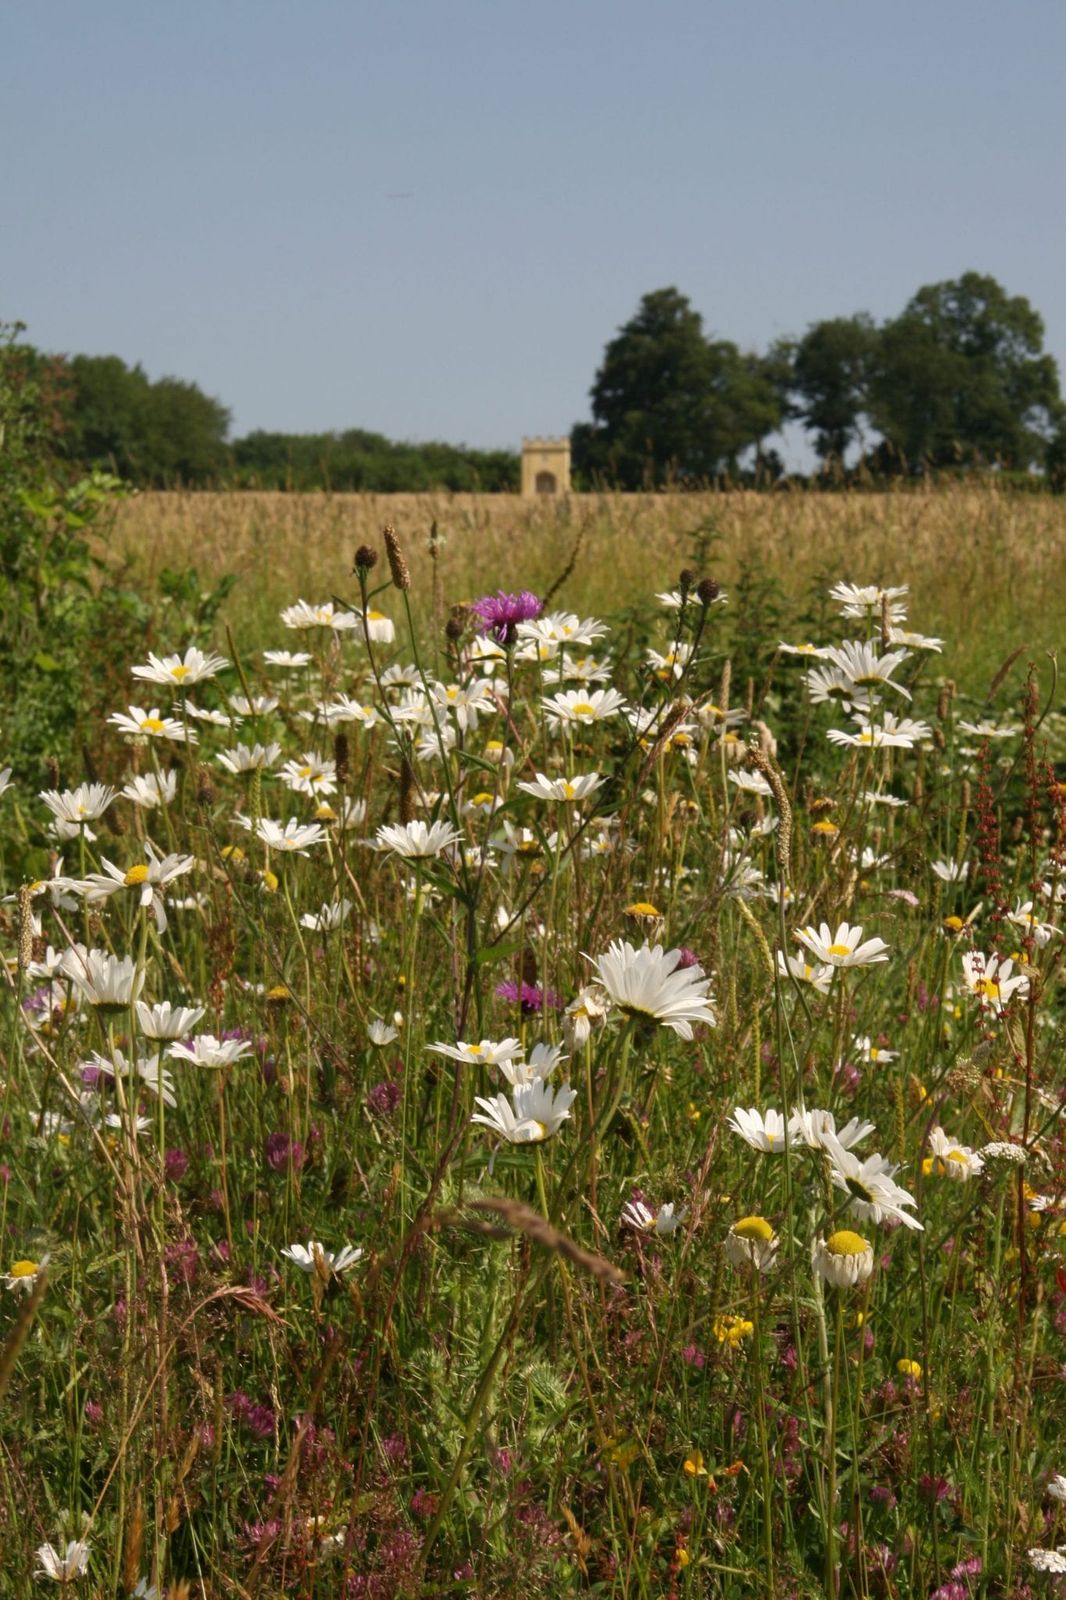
707	591
401	575
365	558
686	581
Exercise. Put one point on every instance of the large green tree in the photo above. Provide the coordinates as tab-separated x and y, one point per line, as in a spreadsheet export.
962	377
156	433
830	377
671	405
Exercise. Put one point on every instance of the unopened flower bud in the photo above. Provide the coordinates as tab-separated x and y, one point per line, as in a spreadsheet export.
707	591
365	558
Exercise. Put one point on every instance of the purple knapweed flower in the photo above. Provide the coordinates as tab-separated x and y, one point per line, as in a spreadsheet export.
500	613
530	996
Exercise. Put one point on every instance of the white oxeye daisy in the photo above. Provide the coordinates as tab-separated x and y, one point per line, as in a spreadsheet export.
311	1257
859	601
22	1276
145	1069
289	659
192	667
381	1033
207	1051
148	878
148	791
950	1159
380	629
488	1053
103	980
763	1131
991	980
844	948
164	1021
543	1060
870	1183
1056	1486
865	1048
140	724
328	918
294	837
568	789
751	1242
819	977
589	1005
63	1568
415	841
534	1112
1023	916
814	1127
301	615
664	1222
986	730
260	705
81	805
580	707
649	984
249	758
844	1259
950	871
310	775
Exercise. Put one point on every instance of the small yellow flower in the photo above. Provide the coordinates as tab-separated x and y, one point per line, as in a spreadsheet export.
641	909
732	1330
683	1557
279	995
908	1368
693	1112
622	1452
232	852
694	1465
953	924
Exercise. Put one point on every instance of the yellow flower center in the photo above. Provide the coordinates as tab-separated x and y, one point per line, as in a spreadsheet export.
24	1269
987	989
642	908
825	827
473	1051
270	880
483	799
756	1228
151	724
180	671
956	924
582	708
568	789
375	616
846	1243
840	949
136	875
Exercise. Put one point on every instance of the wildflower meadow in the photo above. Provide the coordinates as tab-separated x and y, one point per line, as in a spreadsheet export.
534	1103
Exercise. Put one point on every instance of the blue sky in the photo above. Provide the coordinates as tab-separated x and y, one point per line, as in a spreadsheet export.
428	217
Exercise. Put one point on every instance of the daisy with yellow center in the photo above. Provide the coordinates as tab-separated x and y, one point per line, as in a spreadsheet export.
844	1259
751	1242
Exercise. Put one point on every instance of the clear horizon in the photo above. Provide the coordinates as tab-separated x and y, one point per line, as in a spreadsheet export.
428	222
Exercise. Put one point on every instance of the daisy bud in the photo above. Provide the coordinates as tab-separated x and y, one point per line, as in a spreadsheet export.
401	575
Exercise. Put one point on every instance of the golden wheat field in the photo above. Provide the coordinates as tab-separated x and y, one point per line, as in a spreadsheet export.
986	567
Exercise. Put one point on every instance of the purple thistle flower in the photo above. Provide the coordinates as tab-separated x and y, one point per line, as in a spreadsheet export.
530	996
500	613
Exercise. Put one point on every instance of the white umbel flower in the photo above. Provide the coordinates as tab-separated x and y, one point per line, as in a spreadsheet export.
1048	1560
844	948
648	984
535	1112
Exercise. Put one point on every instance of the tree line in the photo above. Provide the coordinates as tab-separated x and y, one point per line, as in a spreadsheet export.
960	380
